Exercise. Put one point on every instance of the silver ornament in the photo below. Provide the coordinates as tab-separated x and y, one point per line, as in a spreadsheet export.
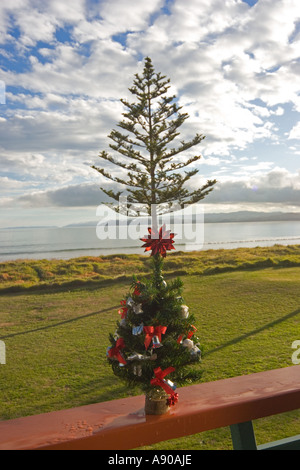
184	311
137	370
188	343
156	343
137	308
130	302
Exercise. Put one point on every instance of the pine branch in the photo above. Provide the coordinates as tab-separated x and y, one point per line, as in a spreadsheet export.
151	124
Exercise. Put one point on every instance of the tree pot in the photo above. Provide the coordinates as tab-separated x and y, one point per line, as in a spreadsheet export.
156	403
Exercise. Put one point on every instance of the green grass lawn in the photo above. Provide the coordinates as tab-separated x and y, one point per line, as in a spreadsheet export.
56	339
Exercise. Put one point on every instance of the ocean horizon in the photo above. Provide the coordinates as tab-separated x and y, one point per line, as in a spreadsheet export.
76	241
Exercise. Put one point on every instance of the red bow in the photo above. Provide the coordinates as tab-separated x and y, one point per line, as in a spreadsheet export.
189	335
116	351
158	242
159	379
123	310
173	399
153	331
137	290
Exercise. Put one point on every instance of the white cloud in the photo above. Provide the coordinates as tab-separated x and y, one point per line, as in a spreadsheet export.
295	132
274	190
276	187
234	69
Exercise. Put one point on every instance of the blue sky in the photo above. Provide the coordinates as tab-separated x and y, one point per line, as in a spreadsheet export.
234	67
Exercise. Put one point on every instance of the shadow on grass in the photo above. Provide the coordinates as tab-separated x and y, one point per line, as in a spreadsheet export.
71	320
207	353
107	389
253	332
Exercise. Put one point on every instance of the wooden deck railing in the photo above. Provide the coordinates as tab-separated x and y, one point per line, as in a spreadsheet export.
122	424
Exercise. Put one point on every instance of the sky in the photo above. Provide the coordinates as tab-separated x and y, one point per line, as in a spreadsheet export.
64	66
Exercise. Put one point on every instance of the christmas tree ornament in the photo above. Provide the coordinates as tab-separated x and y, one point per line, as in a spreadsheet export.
123	311
191	332
158	241
195	353
116	335
138	330
141	357
188	335
137	289
153	357
115	352
130	302
137	308
188	343
173	399
184	311
155	342
159	380
137	370
154	331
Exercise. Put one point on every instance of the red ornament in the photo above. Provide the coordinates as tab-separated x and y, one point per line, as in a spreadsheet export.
160	381
115	352
123	310
158	242
137	289
153	331
173	399
191	333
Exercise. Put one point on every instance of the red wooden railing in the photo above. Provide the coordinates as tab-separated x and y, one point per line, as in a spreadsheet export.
122	424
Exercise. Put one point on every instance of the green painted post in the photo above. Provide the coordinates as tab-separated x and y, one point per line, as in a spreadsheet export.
242	436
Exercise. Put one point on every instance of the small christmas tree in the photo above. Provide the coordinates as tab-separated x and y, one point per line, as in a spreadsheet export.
154	340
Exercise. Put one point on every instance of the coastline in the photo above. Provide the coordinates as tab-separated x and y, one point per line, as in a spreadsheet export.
71	242
86	271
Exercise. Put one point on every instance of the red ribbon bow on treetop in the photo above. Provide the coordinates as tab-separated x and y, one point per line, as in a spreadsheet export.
123	310
153	331
116	351
159	379
189	335
158	242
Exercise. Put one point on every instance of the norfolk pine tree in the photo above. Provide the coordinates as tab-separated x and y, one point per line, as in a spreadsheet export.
152	123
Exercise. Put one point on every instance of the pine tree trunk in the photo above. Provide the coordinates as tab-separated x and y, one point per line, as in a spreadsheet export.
154	220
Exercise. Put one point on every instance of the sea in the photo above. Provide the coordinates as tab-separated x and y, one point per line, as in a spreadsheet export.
78	241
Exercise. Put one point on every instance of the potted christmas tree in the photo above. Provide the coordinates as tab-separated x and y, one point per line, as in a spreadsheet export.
155	336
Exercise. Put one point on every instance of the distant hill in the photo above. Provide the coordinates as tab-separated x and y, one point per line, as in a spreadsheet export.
239	216
29	227
249	216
